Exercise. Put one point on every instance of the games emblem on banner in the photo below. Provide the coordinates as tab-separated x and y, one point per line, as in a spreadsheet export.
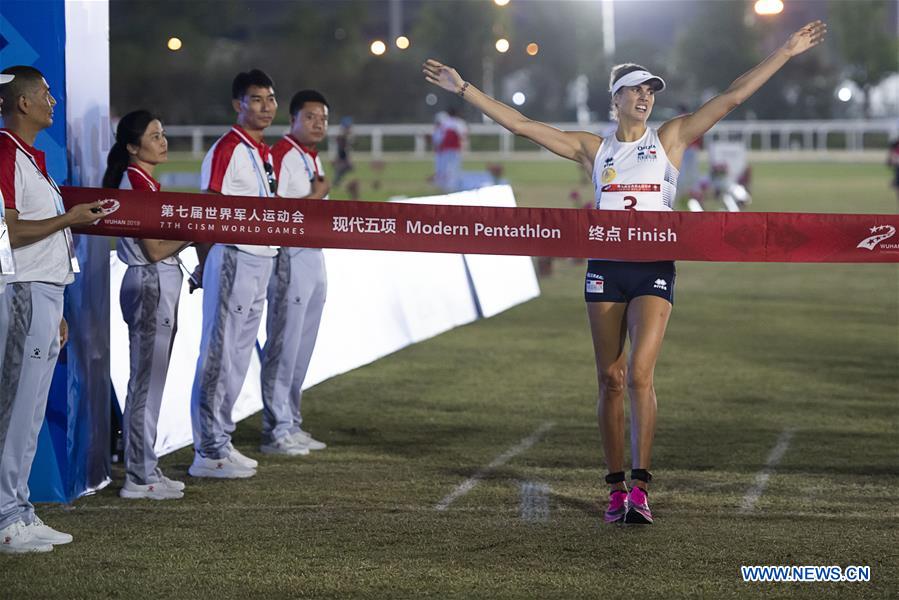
880	233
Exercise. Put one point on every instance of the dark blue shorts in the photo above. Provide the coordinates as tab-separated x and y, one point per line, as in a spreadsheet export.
618	281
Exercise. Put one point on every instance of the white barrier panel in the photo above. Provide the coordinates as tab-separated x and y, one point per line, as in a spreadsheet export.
500	282
378	303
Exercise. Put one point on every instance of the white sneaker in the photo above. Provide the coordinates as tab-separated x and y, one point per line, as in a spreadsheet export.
241	459
219	468
18	538
42	532
284	446
304	438
172	484
150	491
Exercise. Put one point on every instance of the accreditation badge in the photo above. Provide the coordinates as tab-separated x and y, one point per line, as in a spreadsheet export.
7	260
67	233
70	245
608	174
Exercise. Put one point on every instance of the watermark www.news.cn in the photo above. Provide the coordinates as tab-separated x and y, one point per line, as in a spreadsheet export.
803	573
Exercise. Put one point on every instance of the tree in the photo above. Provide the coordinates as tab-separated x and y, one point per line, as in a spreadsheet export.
868	44
715	49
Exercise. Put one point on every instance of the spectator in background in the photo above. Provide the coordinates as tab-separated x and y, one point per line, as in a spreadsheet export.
234	279
343	165
437	136
149	297
297	290
893	162
454	133
688	180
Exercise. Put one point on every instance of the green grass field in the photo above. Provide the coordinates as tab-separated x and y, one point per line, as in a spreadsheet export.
753	350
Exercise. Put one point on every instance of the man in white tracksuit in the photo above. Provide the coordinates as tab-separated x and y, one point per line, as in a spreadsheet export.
234	283
32	328
297	290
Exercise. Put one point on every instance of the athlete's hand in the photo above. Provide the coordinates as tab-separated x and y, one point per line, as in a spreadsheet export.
808	37
320	188
63	332
442	76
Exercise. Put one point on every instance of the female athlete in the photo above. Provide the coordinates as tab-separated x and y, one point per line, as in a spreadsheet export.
634	169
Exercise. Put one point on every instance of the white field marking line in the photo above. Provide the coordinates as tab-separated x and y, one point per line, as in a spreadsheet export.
534	502
761	479
469	484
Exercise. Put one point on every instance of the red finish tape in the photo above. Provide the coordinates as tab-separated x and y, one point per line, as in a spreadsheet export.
622	235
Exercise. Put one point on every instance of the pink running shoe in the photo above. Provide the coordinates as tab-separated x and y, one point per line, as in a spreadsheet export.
638	512
617	506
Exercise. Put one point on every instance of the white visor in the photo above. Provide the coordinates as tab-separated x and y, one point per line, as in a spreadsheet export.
6	78
636	78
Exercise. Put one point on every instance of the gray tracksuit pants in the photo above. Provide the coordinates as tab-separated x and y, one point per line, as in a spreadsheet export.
149	300
296	297
30	336
234	284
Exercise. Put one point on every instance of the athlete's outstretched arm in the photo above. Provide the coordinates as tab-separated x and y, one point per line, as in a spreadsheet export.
579	146
680	132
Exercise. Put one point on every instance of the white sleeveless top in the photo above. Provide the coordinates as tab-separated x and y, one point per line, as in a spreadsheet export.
634	175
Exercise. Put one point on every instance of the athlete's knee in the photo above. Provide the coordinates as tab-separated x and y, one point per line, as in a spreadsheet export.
640	378
612	379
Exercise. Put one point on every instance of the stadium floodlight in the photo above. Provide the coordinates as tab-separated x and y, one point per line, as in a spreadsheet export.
532	49
378	47
501	2
502	45
518	98
769	7
845	94
174	44
402	42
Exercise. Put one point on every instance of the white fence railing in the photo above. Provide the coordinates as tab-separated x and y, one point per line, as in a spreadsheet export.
822	136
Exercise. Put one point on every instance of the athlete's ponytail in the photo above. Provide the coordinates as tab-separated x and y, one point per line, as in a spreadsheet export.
130	130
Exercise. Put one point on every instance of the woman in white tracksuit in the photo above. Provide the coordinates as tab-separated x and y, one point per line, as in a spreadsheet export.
149	300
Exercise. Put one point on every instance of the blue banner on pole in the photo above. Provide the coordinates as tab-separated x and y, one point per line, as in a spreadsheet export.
33	33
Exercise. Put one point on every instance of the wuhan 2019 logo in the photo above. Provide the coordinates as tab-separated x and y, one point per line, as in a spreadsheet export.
879	233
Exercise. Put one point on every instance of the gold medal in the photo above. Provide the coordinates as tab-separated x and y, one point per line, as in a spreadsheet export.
608	174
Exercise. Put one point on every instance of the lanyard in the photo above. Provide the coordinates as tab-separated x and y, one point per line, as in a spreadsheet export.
306	156
263	190
60	208
313	172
